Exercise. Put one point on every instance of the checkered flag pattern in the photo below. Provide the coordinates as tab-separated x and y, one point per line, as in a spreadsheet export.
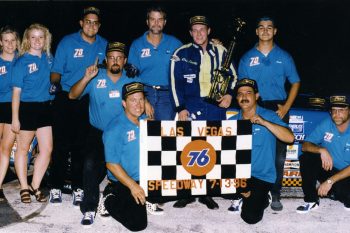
161	145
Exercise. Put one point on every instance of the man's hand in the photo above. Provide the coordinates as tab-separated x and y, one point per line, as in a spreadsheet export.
256	119
225	101
327	160
149	110
183	115
138	194
324	189
131	70
282	110
216	41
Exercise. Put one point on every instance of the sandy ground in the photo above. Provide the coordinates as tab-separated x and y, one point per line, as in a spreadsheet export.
36	217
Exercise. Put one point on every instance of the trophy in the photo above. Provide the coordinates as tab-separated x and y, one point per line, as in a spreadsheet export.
222	77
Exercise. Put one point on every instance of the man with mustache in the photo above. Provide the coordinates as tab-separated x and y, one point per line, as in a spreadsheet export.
270	66
104	88
326	157
267	127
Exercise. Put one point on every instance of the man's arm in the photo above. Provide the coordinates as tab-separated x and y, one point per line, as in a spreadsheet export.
55	78
293	92
326	158
326	186
78	88
282	133
136	191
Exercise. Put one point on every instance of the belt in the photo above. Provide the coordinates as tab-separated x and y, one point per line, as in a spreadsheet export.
159	87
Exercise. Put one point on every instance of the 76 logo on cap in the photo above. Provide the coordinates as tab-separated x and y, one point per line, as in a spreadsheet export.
198	157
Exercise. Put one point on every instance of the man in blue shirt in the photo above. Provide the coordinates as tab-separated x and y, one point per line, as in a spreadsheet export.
151	54
327	157
126	201
270	66
267	127
74	54
104	87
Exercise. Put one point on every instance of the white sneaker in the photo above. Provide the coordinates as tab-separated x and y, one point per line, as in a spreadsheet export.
236	206
55	196
101	209
78	196
88	218
154	209
307	207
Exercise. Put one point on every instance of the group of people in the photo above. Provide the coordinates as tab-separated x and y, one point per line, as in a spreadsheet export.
86	103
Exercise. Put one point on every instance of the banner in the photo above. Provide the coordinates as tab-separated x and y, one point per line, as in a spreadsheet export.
190	158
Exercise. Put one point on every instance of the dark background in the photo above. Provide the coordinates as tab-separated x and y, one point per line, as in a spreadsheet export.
315	33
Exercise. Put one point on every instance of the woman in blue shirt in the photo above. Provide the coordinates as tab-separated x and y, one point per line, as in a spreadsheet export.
31	107
9	44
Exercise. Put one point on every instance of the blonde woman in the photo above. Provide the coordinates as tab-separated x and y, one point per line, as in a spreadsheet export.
9	45
31	107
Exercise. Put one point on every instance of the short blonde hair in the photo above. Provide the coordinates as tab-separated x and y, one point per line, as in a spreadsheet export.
48	38
7	30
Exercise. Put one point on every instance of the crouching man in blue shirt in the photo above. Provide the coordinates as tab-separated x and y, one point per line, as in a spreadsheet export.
267	126
326	157
126	202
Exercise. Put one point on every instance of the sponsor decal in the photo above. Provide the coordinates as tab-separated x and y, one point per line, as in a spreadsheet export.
3	70
101	83
328	137
78	53
32	68
131	135
190	77
292	151
254	61
145	52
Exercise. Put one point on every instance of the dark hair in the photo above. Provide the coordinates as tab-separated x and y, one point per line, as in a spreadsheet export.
159	9
265	18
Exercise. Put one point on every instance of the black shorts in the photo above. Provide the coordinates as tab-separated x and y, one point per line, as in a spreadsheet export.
6	113
34	115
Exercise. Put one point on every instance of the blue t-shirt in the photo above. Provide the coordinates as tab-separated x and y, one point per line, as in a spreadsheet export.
327	135
121	143
5	80
270	72
105	98
153	62
32	74
74	55
264	146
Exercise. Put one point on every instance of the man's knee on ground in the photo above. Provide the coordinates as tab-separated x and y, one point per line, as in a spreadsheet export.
251	218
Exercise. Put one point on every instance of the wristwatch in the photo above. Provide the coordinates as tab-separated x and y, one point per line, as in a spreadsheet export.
330	181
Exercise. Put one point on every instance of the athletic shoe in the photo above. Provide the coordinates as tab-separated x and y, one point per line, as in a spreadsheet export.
276	204
55	196
307	207
183	202
88	218
209	202
153	209
78	196
236	206
101	209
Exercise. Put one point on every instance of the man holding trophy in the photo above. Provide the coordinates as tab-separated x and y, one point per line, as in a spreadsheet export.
196	68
